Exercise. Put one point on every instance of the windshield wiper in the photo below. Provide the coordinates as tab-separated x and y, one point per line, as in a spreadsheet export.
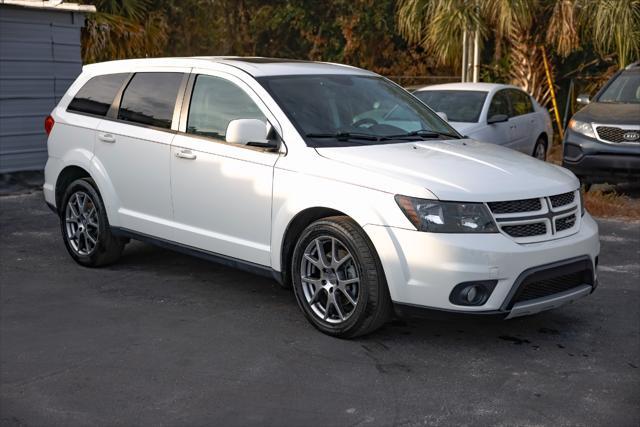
425	133
346	135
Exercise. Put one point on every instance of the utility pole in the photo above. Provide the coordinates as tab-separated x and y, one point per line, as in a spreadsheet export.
476	56
465	64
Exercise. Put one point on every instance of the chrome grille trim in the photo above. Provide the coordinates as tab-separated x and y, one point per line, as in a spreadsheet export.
558	216
611	131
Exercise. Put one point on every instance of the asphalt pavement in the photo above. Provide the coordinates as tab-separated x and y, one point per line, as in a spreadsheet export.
164	339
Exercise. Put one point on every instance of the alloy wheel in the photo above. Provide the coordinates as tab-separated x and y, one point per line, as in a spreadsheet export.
540	152
330	279
81	223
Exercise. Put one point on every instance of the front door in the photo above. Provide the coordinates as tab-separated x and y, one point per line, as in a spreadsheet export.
222	192
500	133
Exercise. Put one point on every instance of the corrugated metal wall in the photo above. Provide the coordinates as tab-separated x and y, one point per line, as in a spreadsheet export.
39	59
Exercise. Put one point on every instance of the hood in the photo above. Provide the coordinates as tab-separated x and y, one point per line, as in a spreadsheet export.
466	128
610	113
460	170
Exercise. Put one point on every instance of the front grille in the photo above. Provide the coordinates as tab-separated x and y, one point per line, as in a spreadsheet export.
515	206
525	230
550	286
562	199
616	134
565	223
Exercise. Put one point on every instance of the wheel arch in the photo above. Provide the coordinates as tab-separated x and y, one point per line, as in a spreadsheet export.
544	137
294	228
65	177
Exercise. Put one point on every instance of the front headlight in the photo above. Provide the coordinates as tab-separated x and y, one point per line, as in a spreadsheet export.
447	217
582	127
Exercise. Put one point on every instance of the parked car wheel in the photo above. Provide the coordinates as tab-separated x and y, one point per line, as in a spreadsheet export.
85	227
338	280
540	149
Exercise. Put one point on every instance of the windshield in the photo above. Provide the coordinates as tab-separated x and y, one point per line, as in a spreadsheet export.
334	110
458	105
625	89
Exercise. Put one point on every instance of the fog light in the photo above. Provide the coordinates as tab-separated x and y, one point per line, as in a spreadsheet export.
472	293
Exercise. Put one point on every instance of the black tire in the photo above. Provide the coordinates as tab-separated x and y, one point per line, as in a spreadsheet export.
373	307
542	146
108	247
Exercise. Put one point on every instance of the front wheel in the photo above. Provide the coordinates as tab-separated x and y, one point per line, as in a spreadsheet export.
85	227
337	279
540	150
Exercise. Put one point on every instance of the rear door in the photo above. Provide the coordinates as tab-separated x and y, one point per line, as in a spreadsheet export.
133	148
523	121
221	192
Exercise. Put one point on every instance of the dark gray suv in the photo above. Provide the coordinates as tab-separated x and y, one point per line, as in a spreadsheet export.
602	142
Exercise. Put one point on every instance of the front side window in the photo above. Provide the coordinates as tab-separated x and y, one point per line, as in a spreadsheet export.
150	99
96	96
459	105
520	102
625	89
214	103
335	110
499	105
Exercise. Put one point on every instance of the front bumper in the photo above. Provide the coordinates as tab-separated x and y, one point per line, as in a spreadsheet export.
595	161
423	268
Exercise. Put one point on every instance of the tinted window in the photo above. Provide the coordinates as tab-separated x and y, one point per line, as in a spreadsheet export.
624	89
458	105
499	104
520	103
97	94
214	103
150	99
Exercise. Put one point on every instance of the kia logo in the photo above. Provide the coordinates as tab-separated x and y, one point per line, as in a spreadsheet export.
631	136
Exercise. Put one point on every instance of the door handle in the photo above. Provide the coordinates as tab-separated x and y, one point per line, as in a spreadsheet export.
186	154
107	137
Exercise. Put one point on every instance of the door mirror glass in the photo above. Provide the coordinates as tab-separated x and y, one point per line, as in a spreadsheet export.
248	132
583	99
497	118
442	115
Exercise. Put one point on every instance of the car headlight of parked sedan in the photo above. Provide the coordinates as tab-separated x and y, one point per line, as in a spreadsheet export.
583	128
447	217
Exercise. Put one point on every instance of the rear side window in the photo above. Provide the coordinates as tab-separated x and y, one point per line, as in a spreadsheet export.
150	98
214	103
520	103
96	96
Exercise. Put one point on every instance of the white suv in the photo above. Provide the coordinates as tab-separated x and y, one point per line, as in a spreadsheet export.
331	179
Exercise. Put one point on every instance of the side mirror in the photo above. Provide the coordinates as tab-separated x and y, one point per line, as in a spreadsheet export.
497	118
583	99
442	115
252	132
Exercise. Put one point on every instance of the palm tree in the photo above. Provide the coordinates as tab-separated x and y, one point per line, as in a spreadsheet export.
123	29
613	26
523	26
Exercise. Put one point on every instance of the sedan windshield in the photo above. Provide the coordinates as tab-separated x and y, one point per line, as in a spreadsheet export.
624	89
335	110
459	105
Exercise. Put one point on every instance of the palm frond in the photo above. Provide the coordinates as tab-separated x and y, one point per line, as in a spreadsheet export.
563	29
613	26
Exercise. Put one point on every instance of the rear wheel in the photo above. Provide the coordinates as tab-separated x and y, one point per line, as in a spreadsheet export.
540	150
85	227
337	279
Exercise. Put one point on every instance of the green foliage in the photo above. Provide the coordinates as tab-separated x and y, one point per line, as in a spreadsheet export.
357	32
